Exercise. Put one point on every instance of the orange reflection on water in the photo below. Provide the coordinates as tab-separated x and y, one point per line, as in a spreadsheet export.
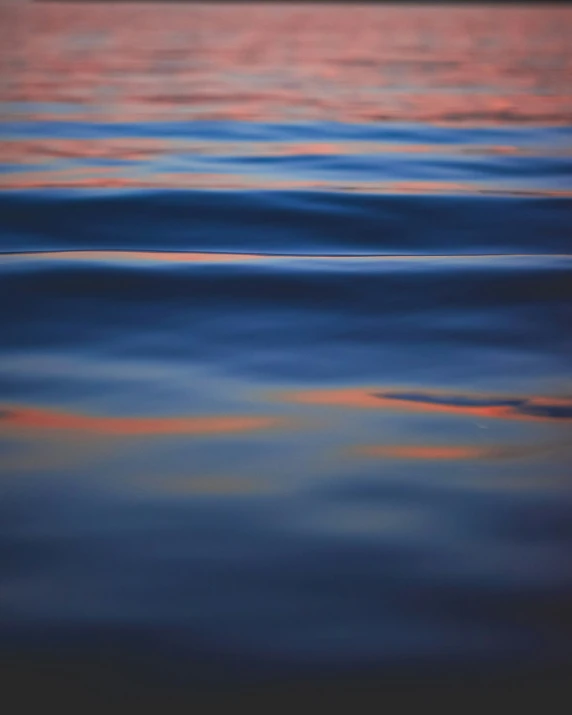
131	150
100	178
147	256
445	453
290	62
41	150
104	177
25	418
438	401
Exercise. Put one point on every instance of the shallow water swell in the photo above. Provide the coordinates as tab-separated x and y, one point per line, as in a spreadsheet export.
285	386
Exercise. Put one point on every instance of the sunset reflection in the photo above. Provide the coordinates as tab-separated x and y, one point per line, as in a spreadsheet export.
444	402
107	179
437	64
24	418
285	368
97	82
443	453
142	257
139	149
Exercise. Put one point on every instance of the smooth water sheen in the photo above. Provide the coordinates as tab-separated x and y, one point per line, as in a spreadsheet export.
286	341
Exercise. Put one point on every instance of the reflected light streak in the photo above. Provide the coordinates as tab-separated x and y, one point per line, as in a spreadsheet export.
444	453
138	150
97	178
444	402
24	418
140	256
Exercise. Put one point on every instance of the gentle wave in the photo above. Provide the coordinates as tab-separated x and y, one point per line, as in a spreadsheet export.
282	222
398	159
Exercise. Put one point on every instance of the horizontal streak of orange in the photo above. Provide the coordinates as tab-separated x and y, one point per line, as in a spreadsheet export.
445	453
94	179
380	398
44	419
149	256
142	149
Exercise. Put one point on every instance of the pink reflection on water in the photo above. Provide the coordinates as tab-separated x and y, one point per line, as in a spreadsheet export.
276	63
106	178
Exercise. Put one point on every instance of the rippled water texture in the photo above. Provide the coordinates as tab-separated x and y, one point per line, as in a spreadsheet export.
285	380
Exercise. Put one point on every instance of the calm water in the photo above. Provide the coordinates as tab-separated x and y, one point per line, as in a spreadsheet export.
285	372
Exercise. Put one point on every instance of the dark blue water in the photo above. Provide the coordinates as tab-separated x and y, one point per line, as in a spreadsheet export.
285	380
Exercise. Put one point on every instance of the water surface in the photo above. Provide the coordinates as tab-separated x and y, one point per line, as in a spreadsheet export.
285	374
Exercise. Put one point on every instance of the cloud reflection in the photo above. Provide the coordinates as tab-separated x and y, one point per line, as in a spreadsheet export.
474	405
117	256
25	418
444	452
283	62
105	178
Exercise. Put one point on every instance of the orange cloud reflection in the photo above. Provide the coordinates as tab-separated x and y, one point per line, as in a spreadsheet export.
439	401
274	63
107	179
24	418
142	150
148	256
441	453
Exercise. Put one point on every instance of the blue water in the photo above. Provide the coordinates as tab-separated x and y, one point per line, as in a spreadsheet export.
285	379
